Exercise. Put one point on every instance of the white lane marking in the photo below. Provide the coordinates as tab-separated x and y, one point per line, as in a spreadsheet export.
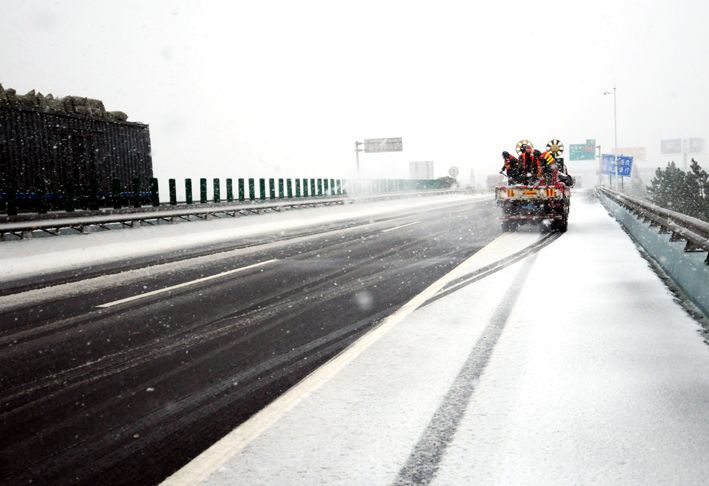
399	227
201	467
184	284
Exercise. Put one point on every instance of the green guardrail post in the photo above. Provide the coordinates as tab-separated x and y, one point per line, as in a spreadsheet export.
188	191
262	188
289	188
203	190
332	187
297	188
312	188
252	189
326	187
136	192
338	186
305	187
116	193
281	195
319	187
240	184
216	191
69	197
173	191
271	189
229	190
154	192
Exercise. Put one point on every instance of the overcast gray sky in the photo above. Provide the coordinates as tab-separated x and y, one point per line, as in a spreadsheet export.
284	88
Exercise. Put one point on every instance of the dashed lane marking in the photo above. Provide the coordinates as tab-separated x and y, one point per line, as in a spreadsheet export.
399	227
184	284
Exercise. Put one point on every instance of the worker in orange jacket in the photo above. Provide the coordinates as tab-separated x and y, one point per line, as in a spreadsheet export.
529	164
510	168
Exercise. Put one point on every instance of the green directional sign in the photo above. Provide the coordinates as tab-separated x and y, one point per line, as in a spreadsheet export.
583	151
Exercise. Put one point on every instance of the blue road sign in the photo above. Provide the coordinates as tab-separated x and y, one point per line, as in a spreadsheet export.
625	165
607	164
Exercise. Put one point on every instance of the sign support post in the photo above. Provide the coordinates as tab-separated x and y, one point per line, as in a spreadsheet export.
378	145
357	151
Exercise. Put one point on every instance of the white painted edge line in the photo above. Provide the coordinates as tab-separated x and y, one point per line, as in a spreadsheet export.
184	284
201	467
399	227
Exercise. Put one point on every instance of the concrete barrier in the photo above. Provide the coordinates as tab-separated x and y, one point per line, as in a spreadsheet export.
687	269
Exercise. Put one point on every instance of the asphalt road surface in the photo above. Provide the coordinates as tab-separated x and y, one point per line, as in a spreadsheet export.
122	374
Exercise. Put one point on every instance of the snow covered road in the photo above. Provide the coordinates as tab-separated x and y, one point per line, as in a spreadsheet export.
572	365
122	370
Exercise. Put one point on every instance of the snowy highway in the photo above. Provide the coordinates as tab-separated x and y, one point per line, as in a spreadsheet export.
573	365
124	370
402	342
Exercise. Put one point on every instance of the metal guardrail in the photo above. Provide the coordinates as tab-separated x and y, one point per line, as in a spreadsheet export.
681	227
153	216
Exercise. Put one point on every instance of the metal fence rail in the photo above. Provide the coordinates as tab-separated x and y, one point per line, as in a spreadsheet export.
682	227
158	215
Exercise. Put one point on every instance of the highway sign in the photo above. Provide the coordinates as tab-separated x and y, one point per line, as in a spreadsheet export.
682	146
453	171
583	151
383	144
624	165
608	164
696	146
672	146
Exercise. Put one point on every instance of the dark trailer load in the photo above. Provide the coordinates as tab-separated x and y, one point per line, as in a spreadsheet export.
68	151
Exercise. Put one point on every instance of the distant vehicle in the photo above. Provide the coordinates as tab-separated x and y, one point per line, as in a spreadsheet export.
542	201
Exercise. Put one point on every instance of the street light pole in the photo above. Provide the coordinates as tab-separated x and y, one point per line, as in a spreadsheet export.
615	132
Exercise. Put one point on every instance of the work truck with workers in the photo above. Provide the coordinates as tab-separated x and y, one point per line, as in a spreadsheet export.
538	188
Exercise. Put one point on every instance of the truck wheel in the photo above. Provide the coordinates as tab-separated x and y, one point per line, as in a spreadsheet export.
562	225
509	226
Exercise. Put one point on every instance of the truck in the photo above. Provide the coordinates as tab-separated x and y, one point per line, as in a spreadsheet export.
539	202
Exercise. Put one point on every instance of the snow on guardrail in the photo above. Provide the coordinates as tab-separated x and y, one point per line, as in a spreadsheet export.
676	242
